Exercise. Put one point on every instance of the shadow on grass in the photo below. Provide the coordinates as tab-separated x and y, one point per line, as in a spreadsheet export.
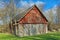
42	37
50	36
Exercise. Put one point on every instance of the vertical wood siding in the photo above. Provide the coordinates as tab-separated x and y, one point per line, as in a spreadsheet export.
31	29
33	16
20	30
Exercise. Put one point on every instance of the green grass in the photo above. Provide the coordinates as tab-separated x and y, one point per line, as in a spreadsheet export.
48	36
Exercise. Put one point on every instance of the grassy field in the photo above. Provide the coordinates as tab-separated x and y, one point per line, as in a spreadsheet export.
48	36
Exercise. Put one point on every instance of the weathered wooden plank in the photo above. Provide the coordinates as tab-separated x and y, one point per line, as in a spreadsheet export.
32	29
33	16
20	30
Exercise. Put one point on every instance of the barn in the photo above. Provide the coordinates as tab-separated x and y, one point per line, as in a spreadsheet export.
30	22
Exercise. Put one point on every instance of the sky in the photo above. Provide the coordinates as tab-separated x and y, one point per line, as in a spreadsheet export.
47	3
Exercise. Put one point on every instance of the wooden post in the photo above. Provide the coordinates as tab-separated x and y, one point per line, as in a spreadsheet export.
46	29
15	27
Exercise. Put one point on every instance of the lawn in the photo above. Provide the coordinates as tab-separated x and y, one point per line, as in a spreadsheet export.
48	36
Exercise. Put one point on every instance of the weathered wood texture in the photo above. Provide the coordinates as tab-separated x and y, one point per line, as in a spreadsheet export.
33	16
31	29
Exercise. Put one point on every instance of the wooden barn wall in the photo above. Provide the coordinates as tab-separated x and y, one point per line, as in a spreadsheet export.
31	29
33	16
